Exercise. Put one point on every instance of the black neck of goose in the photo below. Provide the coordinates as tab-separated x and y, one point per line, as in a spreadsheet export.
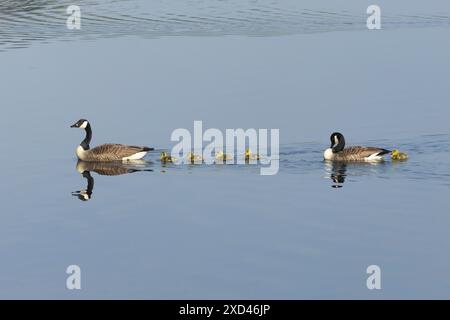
85	143
340	146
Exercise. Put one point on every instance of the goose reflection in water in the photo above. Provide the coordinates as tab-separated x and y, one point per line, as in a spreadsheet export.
339	171
105	169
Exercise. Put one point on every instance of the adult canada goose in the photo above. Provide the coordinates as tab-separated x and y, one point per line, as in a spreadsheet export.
337	152
106	152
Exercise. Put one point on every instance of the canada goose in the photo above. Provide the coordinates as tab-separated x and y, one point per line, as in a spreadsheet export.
337	152
106	152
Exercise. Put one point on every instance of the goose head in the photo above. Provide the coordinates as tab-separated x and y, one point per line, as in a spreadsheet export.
337	142
80	124
83	124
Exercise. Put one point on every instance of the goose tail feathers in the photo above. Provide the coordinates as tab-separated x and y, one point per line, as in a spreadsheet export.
384	151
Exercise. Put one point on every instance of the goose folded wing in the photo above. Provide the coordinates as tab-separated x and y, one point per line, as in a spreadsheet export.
363	152
115	151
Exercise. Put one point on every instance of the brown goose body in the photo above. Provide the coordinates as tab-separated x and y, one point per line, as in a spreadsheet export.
106	152
112	152
359	154
338	152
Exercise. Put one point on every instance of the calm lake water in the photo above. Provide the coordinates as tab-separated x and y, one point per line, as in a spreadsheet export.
139	69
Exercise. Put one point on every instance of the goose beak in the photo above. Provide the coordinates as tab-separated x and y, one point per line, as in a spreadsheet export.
74	125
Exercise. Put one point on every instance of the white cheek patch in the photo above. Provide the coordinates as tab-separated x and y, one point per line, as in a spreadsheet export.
336	140
84	125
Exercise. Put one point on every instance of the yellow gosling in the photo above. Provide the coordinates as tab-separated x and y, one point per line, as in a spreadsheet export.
397	155
165	157
250	156
220	156
193	158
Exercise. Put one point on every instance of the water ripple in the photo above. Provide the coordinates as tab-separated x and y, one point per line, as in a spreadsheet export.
25	21
429	161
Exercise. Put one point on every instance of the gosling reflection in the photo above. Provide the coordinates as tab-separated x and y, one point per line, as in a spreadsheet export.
338	172
105	169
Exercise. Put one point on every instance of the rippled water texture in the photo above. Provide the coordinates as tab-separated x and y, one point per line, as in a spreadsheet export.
430	162
22	22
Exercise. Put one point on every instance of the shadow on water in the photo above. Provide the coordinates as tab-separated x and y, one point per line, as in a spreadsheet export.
23	22
105	169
